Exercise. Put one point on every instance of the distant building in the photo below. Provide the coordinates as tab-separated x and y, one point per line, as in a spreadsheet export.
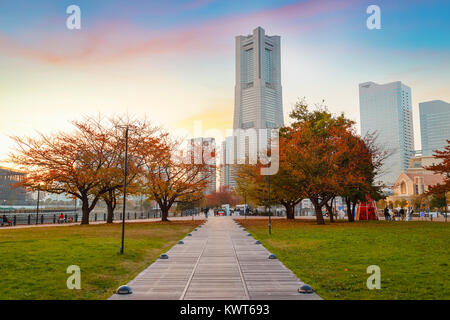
386	109
204	151
227	156
416	180
434	125
9	196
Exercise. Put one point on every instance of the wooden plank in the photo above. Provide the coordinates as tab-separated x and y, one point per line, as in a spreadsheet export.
219	262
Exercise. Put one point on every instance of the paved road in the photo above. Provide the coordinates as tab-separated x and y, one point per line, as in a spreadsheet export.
218	262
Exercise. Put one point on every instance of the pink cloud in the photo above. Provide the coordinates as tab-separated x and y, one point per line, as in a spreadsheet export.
109	42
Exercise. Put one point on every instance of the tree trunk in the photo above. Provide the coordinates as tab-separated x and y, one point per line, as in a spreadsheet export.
110	205
350	215
290	214
319	215
164	214
110	216
85	209
330	211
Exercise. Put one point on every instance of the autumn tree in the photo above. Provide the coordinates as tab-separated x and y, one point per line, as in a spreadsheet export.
170	176
314	150
285	189
74	163
359	165
223	196
441	191
142	140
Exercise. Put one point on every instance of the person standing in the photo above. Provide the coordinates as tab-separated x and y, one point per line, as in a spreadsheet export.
402	213
411	213
206	212
386	214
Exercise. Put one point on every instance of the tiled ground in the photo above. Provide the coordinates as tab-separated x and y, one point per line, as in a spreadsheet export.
219	261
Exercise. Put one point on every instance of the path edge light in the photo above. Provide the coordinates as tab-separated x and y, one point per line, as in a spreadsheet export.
124	290
307	289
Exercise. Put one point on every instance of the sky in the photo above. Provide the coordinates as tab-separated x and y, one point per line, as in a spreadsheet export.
173	61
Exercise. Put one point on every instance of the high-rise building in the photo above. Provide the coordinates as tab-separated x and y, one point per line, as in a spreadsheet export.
226	161
258	93
385	109
434	125
258	101
203	150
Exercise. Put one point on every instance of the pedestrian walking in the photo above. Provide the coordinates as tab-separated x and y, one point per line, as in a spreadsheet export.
410	213
402	213
386	214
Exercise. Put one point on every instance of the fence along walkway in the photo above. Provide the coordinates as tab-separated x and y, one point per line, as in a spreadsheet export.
218	262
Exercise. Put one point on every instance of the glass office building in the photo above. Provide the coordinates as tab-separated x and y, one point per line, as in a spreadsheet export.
385	109
434	125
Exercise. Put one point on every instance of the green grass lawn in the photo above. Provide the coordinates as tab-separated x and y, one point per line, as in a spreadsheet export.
33	261
414	257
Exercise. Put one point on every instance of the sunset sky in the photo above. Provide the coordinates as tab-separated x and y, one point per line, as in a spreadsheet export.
174	60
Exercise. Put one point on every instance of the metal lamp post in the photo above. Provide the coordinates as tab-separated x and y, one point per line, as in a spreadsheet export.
125	174
270	224
37	207
245	205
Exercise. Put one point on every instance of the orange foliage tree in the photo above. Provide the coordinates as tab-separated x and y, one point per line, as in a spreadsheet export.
221	197
321	157
169	176
75	163
143	139
441	190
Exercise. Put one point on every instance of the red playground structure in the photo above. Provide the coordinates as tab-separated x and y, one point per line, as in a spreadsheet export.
366	210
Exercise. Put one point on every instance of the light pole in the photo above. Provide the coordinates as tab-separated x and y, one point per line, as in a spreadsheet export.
245	205
37	207
125	174
270	225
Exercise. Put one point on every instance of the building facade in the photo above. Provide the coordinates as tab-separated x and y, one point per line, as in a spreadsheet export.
416	180
9	195
203	150
385	109
258	96
434	125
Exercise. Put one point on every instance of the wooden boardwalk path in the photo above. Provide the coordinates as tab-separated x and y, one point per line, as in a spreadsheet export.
220	261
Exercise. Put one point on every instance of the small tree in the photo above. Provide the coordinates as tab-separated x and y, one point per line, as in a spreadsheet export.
441	191
74	163
169	177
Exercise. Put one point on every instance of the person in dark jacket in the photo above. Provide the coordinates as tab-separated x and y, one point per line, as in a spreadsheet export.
387	216
402	213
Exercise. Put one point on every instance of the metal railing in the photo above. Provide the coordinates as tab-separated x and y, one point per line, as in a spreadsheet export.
46	218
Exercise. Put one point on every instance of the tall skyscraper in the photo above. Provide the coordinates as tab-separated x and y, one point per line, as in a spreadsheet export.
434	125
258	101
386	109
258	94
